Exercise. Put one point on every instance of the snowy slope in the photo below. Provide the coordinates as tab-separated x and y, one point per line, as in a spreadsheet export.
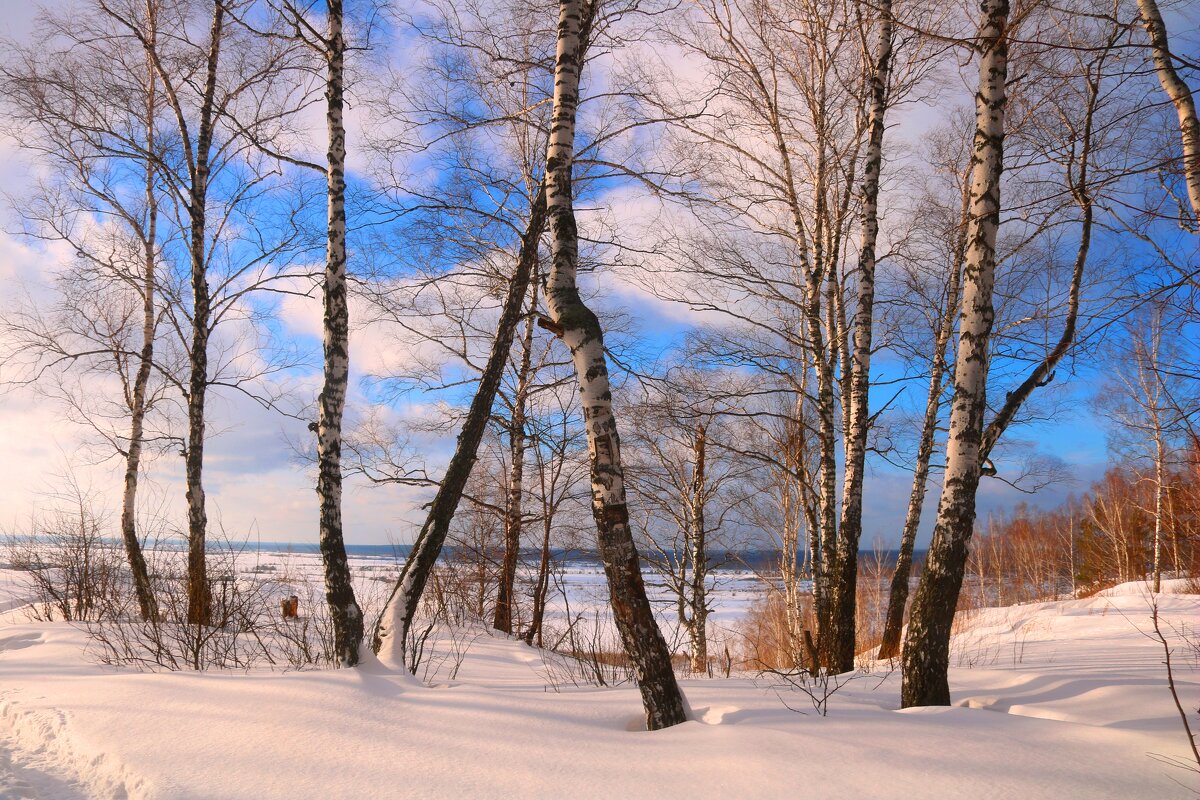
1067	700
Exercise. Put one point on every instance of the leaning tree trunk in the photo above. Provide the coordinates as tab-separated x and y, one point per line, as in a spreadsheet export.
1180	95
142	587
339	589
889	646
199	610
580	330
394	623
506	591
845	594
927	647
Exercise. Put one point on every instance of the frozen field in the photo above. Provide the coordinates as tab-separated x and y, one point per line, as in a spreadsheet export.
579	584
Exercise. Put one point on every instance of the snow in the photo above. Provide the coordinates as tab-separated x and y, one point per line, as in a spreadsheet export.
1065	699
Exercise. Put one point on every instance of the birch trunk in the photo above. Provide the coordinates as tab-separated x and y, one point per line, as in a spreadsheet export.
1150	382
898	596
199	592
790	507
824	549
698	546
542	584
1160	481
581	332
143	590
339	589
1041	375
825	554
394	623
927	645
505	592
859	417
1180	95
142	587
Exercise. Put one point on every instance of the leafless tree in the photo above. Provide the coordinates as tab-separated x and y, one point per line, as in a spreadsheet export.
1148	401
1167	67
298	23
1079	98
222	90
102	143
784	155
690	490
582	333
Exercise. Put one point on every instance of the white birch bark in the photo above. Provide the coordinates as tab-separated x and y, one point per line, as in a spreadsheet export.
143	589
1180	95
339	590
1160	488
927	645
697	624
582	333
858	417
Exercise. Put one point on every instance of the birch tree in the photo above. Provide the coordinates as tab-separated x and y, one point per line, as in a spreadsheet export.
581	332
501	86
299	25
1166	67
198	158
926	647
1148	400
691	487
191	128
339	591
559	453
481	88
858	415
102	144
784	150
392	630
1077	103
792	133
221	89
513	509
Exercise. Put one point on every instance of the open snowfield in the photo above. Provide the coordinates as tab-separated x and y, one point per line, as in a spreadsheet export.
1055	700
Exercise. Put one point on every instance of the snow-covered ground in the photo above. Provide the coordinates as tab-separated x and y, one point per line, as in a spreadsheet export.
1055	700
